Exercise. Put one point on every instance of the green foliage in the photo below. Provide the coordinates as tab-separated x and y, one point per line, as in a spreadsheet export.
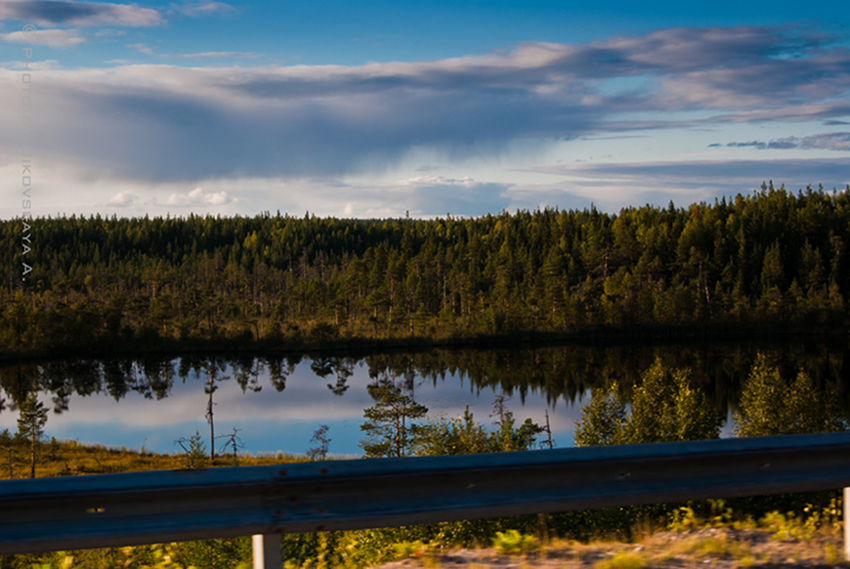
508	438
32	416
829	516
603	418
389	429
804	524
782	526
455	436
166	556
769	406
465	436
231	553
512	541
684	518
664	407
195	451
622	560
405	549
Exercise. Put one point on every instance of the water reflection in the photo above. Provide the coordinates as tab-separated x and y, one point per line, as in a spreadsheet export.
277	402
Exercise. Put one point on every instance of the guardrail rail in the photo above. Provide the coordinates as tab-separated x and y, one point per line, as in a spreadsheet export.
50	514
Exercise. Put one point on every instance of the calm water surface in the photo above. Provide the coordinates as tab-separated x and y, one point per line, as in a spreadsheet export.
276	403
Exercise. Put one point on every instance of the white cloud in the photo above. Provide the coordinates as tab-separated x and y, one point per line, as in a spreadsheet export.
51	38
123	199
43	65
199	197
419	181
220	55
141	48
204	9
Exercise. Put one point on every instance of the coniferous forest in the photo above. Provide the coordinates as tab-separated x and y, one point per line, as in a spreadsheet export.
774	260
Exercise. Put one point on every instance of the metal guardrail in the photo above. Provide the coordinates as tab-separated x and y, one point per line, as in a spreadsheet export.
149	507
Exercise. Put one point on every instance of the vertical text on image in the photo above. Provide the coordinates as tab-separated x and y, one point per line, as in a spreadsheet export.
26	162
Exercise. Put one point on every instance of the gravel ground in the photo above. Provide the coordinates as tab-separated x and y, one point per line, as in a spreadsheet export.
723	548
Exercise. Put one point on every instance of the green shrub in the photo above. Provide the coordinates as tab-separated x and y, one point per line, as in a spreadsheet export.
512	541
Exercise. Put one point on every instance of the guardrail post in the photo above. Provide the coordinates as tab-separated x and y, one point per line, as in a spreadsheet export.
267	551
847	523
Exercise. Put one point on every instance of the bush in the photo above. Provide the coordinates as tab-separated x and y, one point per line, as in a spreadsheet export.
512	541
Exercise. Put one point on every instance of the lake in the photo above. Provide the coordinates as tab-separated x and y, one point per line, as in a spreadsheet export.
277	402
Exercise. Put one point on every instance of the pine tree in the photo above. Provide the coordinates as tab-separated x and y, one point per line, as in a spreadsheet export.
195	452
31	420
388	428
320	436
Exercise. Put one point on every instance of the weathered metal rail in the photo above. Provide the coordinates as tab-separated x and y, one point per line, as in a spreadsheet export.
148	507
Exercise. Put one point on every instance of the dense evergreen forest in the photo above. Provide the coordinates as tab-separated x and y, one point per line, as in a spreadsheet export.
774	259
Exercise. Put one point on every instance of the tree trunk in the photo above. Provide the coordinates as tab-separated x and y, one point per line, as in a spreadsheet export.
212	427
32	454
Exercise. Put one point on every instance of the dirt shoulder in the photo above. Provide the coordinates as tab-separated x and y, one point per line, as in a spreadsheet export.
723	548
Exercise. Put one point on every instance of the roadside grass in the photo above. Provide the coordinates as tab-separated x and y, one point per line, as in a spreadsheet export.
705	547
623	560
814	537
70	458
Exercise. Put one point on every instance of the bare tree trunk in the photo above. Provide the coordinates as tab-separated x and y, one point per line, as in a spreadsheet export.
212	425
32	454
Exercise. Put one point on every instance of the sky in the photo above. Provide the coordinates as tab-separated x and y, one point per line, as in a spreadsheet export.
375	109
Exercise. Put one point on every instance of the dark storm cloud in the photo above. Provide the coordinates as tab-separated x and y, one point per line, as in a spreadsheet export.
165	123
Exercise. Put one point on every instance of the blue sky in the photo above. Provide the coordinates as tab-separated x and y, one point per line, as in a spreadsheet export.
375	109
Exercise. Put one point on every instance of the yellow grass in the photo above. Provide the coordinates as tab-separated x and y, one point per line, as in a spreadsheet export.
69	458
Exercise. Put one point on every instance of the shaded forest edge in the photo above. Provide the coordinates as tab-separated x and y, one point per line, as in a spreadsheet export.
769	263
